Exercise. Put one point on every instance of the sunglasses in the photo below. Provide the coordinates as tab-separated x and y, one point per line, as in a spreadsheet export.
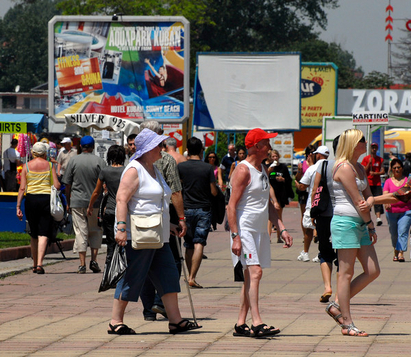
211	157
362	140
396	168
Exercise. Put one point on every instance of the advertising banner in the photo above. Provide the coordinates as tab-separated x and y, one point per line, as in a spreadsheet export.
318	93
247	90
130	67
13	128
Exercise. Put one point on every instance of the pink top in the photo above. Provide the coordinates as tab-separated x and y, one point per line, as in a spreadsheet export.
305	166
399	207
216	172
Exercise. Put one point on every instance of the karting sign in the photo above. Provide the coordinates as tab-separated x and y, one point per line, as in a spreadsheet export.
370	118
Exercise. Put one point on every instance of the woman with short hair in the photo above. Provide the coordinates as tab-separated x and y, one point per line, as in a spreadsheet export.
144	191
37	177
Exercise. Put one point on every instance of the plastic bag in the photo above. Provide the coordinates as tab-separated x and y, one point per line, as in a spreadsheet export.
114	269
56	207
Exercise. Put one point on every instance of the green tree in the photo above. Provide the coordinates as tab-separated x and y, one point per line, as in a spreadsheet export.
375	79
24	50
261	25
402	67
321	51
224	25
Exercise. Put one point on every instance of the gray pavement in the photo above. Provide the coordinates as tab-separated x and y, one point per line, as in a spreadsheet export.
61	313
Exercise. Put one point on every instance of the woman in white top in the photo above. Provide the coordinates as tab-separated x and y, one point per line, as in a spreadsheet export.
353	233
143	190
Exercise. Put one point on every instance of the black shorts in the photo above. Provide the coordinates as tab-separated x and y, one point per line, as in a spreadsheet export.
302	197
37	209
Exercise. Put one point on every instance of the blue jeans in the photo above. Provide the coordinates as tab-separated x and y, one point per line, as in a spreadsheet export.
399	225
198	226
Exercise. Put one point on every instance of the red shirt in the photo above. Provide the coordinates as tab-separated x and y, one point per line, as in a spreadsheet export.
376	166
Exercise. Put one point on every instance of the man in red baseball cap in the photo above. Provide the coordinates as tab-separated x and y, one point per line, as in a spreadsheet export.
248	211
374	168
256	135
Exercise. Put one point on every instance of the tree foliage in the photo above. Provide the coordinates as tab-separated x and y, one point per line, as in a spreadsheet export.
321	51
24	50
402	67
224	25
374	80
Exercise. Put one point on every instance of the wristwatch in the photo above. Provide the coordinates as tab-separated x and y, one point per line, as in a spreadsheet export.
233	235
122	229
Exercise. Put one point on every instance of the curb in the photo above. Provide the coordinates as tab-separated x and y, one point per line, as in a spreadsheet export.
293	204
8	254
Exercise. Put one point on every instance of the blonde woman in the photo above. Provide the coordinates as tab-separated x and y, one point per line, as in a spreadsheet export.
36	181
353	232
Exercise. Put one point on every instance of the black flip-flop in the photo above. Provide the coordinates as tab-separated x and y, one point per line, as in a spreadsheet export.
261	331
179	328
120	329
241	331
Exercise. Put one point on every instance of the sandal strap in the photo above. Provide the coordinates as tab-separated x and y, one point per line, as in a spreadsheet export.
352	327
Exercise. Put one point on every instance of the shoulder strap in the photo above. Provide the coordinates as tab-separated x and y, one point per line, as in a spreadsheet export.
160	181
27	167
342	163
51	174
324	169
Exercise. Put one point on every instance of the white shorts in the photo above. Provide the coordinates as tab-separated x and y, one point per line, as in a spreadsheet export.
307	223
255	250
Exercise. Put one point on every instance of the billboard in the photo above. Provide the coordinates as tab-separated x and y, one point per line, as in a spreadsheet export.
129	67
318	93
396	102
245	91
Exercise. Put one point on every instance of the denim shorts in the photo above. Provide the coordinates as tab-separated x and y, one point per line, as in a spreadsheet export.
198	226
157	264
349	232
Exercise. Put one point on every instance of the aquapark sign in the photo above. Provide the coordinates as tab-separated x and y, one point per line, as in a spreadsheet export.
131	67
318	93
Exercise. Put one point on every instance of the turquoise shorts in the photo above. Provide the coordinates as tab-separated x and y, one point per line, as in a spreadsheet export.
348	232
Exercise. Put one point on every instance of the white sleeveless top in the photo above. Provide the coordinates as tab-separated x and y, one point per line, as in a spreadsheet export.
342	202
148	197
252	209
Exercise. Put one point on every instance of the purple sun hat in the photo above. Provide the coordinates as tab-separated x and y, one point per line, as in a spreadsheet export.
146	141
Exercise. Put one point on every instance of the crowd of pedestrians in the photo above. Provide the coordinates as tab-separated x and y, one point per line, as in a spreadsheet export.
150	176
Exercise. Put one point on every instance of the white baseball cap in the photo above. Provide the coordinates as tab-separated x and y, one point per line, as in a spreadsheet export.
66	140
323	150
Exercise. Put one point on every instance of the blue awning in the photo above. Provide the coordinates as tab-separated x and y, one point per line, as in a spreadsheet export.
35	122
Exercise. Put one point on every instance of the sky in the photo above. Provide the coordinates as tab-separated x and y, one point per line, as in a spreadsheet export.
357	25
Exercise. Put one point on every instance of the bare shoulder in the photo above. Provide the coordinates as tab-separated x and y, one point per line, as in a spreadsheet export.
241	174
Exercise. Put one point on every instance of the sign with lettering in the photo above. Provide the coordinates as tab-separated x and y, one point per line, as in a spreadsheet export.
369	118
318	93
374	100
134	67
13	128
101	121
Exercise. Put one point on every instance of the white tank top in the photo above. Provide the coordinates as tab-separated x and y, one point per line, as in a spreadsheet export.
342	202
148	197
252	209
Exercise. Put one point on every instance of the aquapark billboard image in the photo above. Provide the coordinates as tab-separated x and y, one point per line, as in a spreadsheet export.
132	68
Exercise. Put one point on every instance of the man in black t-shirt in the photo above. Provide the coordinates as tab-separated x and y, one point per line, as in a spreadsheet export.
198	182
